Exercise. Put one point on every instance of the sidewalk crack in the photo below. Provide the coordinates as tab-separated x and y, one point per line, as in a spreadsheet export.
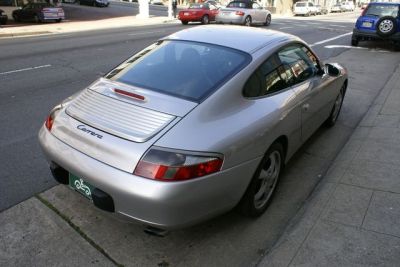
78	230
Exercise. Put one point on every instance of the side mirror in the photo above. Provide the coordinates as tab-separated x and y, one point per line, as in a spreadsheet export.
331	70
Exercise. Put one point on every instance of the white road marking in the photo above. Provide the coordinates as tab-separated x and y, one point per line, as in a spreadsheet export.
357	47
331	39
286	28
340	26
141	33
313	23
26	69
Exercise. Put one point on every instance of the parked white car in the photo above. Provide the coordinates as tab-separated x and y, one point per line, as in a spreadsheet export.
304	8
348	6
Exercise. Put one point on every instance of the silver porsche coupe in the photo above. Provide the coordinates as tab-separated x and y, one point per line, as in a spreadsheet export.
196	124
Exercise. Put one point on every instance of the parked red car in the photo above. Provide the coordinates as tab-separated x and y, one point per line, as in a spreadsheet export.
203	12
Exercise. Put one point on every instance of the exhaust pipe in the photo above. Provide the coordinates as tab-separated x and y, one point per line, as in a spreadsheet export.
155	231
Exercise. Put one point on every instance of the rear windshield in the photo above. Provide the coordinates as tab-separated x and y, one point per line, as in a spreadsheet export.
382	10
197	6
189	70
300	4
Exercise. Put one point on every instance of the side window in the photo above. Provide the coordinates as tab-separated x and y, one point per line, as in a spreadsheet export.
269	78
300	61
255	6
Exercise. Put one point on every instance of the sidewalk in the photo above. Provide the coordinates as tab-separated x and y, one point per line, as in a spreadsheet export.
80	26
353	216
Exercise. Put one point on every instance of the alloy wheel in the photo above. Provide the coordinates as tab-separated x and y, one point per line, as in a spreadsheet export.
268	179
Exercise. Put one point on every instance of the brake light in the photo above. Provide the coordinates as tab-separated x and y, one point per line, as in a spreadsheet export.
49	122
240	13
129	94
50	119
364	11
175	166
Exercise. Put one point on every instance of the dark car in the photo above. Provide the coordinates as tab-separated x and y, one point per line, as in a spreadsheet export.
39	12
3	17
379	21
98	3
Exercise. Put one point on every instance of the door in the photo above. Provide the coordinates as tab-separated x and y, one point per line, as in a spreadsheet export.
315	96
258	14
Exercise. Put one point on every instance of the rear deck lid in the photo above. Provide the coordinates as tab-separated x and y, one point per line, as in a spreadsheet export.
127	112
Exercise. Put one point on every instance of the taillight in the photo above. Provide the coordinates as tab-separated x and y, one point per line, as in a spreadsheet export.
176	166
239	13
50	119
364	11
49	122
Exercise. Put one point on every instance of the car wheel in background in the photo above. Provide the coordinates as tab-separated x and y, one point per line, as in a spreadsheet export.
205	20
36	19
184	22
263	184
386	26
354	40
247	21
58	20
267	20
16	18
337	106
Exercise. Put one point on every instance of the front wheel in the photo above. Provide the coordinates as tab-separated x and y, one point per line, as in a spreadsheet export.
337	106
263	184
184	22
247	21
268	20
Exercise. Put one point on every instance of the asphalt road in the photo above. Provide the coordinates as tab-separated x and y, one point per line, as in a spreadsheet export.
41	71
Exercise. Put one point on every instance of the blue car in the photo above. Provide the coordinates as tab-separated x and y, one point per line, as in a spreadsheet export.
379	21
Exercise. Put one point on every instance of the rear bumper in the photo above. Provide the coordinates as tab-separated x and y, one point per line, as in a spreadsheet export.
166	205
371	35
190	18
230	19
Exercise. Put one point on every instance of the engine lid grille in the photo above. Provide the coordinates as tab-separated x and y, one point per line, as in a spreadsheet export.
117	117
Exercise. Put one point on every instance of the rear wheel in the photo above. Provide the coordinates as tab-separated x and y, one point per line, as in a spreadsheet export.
268	20
354	41
205	20
260	191
247	21
184	22
58	20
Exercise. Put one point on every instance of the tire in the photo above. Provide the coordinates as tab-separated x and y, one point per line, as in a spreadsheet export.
261	189
267	20
36	19
337	106
354	41
58	20
205	20
16	18
386	26
184	22
247	21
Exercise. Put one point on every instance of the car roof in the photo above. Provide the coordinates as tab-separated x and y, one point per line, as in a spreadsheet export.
247	39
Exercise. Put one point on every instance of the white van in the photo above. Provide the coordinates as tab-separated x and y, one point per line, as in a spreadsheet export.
304	8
